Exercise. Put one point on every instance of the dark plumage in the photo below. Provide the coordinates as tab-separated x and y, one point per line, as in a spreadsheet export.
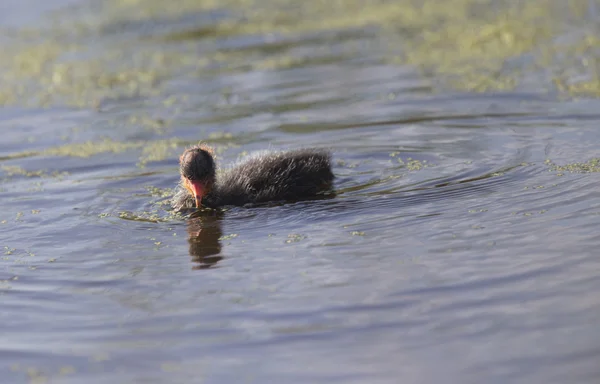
262	177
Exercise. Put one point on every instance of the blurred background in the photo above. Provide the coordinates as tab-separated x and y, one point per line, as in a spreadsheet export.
461	246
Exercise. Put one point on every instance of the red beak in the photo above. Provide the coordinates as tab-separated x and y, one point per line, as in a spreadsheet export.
198	189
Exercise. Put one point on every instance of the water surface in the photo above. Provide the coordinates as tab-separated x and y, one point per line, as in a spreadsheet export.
461	245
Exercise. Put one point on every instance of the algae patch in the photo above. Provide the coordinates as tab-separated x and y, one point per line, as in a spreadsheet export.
413	164
133	48
15	170
91	148
590	166
474	45
150	151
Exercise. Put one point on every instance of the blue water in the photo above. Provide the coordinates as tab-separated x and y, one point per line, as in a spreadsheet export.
470	260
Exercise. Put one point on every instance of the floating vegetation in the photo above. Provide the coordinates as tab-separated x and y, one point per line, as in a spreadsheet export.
590	166
165	194
140	216
156	125
160	192
414	165
13	251
158	151
229	237
153	216
150	217
131	49
151	150
91	148
477	210
12	170
15	170
294	238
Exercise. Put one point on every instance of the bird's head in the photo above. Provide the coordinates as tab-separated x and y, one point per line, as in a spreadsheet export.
197	168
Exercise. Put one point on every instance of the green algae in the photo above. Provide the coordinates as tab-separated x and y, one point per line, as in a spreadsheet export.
473	54
228	237
160	192
413	164
590	166
156	125
158	151
91	148
165	194
40	75
13	170
148	217
472	45
468	42
294	238
150	151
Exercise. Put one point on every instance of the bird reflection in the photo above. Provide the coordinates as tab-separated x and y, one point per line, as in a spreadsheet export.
204	230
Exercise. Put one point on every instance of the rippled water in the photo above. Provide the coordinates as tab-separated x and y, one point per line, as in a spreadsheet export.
462	244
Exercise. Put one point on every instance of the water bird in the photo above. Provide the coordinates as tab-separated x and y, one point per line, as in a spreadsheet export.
266	176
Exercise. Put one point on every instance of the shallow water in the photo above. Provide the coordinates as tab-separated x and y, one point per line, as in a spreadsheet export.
461	245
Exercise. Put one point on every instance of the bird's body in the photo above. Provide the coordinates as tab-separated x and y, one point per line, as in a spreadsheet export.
262	177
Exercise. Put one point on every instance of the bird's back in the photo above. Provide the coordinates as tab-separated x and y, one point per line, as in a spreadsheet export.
273	176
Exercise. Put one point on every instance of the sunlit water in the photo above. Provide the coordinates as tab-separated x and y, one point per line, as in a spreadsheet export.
452	252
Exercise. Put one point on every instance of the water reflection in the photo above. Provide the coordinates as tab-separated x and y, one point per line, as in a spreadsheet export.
204	232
